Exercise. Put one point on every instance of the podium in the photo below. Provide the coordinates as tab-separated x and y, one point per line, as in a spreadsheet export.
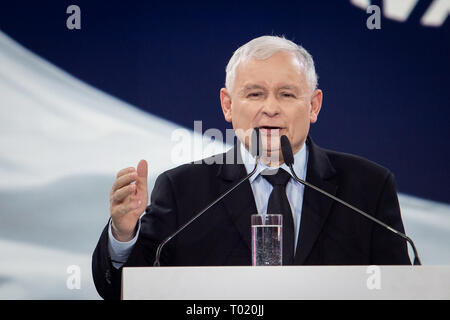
286	283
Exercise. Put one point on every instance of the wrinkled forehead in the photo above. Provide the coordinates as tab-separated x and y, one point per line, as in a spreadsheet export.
282	66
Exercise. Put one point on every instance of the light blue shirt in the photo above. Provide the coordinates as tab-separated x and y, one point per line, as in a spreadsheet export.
120	251
294	189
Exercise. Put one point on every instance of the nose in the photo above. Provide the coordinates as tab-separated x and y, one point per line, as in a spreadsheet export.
271	106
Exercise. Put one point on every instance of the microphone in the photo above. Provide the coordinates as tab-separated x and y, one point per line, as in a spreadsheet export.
255	150
288	157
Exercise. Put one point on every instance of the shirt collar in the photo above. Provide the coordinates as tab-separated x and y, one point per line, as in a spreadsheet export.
300	163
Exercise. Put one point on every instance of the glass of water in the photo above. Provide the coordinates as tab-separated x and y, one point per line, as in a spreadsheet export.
267	239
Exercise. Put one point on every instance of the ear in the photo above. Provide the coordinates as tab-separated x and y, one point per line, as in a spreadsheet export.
225	102
316	105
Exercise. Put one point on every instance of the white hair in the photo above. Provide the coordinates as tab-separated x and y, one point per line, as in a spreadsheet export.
263	48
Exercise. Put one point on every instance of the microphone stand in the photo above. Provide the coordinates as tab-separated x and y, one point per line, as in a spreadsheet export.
368	216
158	251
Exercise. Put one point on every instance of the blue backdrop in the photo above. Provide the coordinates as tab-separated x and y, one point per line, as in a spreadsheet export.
386	92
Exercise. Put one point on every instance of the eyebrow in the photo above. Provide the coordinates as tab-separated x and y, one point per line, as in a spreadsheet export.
252	87
257	86
288	87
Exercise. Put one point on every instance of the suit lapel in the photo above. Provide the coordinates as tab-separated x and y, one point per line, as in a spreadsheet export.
316	207
240	203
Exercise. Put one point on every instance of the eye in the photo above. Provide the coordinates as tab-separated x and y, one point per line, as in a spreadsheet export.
254	95
287	95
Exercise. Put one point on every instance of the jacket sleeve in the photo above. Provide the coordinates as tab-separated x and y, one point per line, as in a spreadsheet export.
157	223
387	247
106	277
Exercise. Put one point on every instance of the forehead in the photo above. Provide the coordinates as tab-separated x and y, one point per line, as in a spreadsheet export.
282	67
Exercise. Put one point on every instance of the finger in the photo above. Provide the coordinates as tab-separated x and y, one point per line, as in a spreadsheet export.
142	173
125	171
123	192
126	207
124	180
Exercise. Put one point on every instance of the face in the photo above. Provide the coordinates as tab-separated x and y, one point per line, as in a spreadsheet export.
273	95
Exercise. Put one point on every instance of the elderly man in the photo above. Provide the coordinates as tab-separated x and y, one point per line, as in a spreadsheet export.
271	84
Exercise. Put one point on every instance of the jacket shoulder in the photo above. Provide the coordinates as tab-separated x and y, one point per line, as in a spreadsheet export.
356	165
196	170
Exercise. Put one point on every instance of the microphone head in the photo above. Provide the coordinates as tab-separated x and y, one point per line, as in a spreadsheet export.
255	143
286	149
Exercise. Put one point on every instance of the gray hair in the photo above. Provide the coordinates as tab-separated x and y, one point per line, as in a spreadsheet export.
263	48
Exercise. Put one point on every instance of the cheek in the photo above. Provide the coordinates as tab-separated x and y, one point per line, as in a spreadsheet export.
299	115
244	113
299	123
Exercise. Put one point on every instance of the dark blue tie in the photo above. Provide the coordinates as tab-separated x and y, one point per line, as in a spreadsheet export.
279	204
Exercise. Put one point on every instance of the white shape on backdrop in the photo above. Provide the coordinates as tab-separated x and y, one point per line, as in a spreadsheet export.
55	126
362	4
436	14
61	144
400	10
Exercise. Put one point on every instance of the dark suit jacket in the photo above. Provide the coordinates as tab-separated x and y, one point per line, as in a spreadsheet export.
330	234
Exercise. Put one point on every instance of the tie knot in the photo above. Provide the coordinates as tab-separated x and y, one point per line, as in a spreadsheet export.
280	178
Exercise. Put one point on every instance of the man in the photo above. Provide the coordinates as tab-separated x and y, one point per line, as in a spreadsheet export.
271	84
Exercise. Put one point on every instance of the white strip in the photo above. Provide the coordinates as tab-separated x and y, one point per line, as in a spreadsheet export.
398	9
436	14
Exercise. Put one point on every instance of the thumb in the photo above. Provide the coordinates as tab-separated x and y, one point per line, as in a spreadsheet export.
142	172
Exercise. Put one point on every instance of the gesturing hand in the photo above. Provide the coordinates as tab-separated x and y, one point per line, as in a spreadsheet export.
128	200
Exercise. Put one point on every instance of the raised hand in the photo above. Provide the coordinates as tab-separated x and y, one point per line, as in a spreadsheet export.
128	200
